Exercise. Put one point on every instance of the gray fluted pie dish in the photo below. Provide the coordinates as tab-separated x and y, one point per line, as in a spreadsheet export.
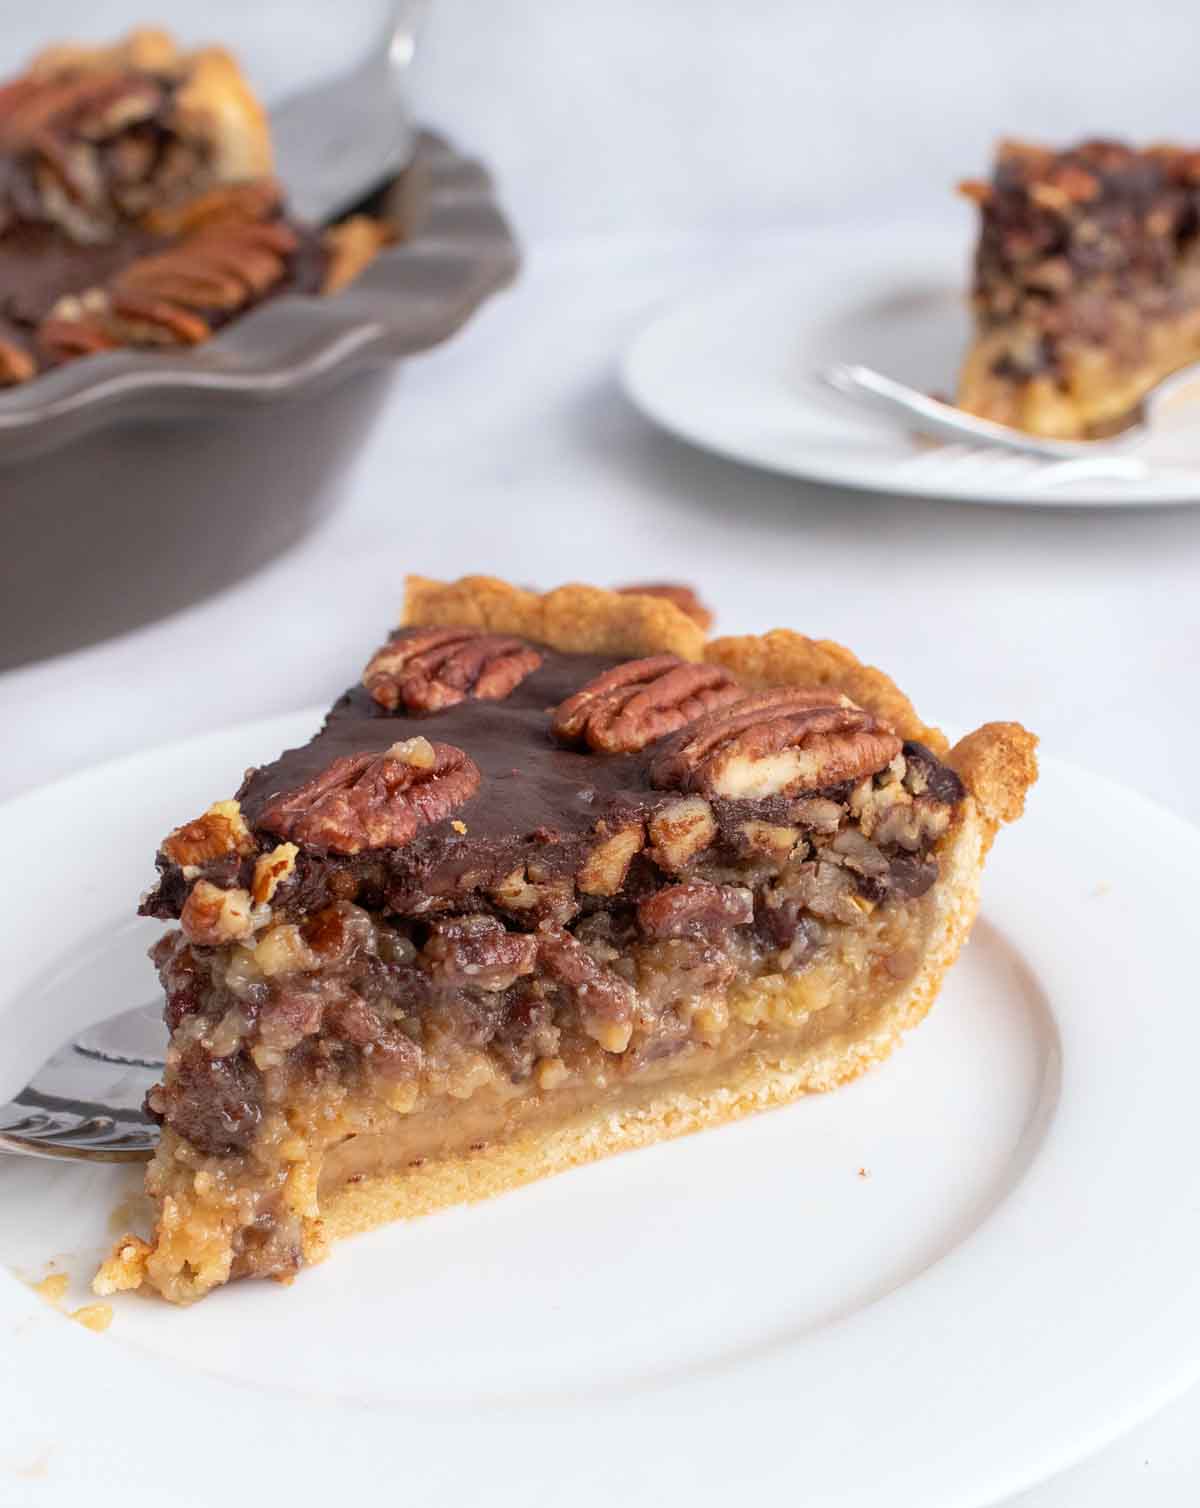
136	482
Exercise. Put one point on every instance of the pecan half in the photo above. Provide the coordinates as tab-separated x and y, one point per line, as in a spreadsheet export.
695	909
630	706
435	668
221	830
221	266
257	199
375	800
776	742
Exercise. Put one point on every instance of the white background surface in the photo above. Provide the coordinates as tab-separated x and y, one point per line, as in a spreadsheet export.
650	150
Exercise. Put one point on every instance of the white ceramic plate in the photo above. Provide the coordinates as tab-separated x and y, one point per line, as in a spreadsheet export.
736	372
739	1317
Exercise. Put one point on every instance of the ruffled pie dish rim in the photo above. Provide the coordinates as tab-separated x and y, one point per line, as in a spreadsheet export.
456	249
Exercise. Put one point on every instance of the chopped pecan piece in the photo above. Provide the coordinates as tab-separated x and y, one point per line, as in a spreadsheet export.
681	830
433	668
603	871
375	800
271	870
536	900
220	267
695	908
628	707
212	916
604	1000
778	742
477	950
220	831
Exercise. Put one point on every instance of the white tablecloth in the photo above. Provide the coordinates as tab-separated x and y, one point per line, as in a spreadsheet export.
512	451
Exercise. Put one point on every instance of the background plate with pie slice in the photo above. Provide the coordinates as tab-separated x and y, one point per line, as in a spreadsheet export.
932	1288
737	372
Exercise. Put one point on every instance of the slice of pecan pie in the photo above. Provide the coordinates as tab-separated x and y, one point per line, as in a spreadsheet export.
558	879
1087	283
94	136
138	207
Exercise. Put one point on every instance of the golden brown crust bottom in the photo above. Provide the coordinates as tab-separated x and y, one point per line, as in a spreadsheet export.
762	1082
1097	387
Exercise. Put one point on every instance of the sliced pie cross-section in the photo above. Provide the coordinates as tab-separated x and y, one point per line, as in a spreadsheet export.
547	886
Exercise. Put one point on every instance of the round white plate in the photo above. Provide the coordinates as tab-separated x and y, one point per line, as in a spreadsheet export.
932	1288
737	372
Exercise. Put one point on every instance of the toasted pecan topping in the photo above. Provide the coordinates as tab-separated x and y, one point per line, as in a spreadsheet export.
434	668
168	298
239	203
212	916
681	830
142	320
776	742
630	706
201	270
375	800
220	831
271	870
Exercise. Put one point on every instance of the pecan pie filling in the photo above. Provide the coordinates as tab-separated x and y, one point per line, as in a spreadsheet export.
506	887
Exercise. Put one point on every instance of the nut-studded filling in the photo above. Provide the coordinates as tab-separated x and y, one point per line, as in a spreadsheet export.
368	936
1087	282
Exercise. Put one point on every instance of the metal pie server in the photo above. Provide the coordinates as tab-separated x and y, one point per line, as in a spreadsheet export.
337	141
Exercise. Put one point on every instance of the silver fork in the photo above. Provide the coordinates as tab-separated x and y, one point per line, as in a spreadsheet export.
338	140
1096	458
86	1100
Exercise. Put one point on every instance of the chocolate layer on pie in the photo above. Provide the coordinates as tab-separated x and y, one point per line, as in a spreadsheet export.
539	802
1087	282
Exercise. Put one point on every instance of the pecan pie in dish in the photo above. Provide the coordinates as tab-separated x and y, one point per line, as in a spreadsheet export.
138	207
557	879
1087	283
